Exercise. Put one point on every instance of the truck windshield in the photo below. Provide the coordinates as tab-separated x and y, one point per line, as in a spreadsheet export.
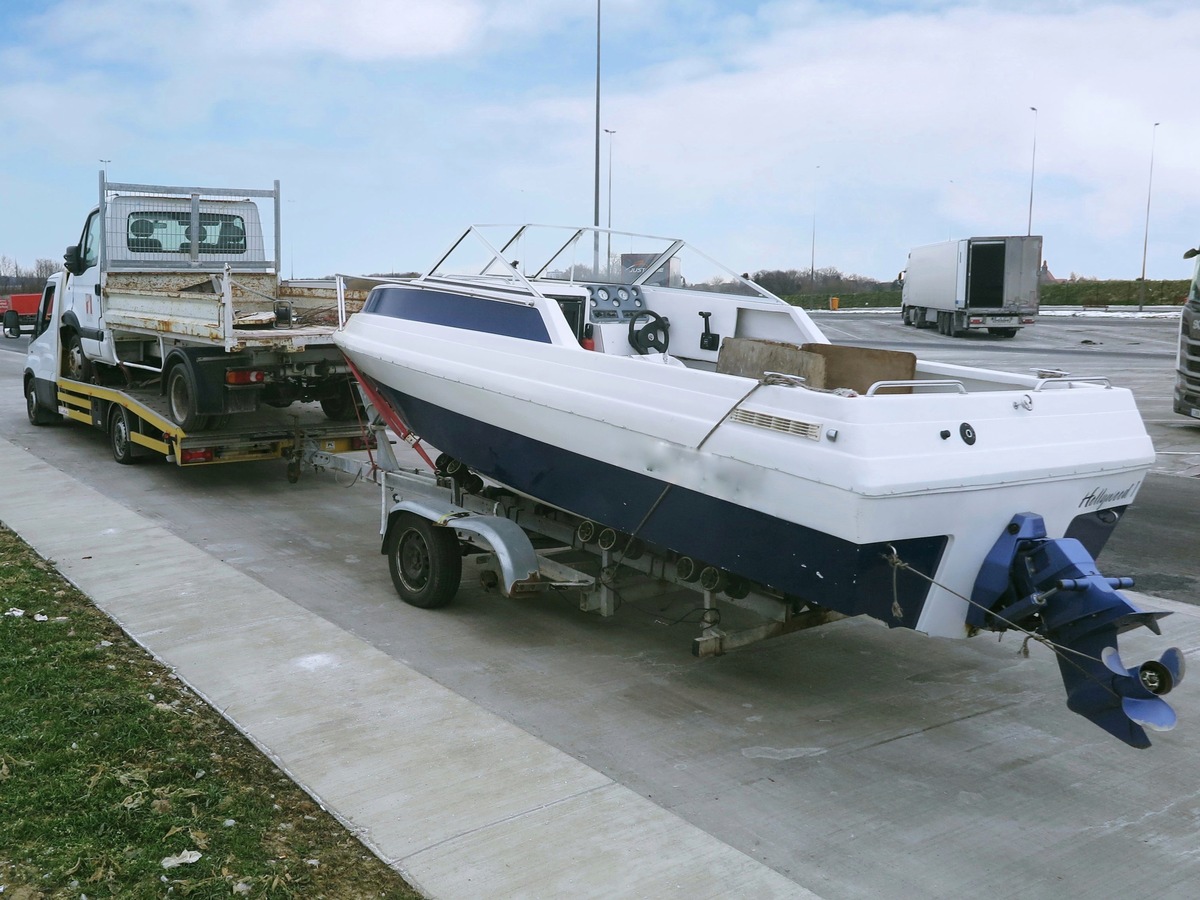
171	232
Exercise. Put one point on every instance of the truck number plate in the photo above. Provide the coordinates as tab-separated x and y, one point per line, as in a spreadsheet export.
1002	320
1195	413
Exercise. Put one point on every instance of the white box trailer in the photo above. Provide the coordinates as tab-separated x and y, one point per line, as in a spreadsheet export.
973	284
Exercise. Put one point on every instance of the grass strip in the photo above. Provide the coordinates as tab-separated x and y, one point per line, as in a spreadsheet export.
118	781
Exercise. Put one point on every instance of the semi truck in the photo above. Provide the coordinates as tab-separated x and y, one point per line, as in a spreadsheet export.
17	312
973	284
174	286
138	420
1187	365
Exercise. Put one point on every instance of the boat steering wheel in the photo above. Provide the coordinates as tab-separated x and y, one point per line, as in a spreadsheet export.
654	335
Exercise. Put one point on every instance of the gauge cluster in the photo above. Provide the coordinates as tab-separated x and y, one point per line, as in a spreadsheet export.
614	302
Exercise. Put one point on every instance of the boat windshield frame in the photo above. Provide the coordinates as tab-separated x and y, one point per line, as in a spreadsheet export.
494	267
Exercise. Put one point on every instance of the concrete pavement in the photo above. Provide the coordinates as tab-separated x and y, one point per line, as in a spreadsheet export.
460	801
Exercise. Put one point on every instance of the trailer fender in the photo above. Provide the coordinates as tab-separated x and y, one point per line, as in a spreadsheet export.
514	552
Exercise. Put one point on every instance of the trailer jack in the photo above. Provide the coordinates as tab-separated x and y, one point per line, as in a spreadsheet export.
1051	589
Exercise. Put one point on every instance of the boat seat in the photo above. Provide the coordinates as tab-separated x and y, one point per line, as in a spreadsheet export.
822	366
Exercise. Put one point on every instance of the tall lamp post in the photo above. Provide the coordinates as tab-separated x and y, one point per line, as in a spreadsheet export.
608	259
812	270
1146	236
596	216
1032	169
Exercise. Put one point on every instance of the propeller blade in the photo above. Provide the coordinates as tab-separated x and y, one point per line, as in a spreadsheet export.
1173	660
1112	661
1155	714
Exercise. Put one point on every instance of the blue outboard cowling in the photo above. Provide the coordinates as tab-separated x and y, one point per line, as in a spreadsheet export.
1052	588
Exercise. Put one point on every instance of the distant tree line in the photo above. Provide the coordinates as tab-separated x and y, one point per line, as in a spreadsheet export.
791	282
16	279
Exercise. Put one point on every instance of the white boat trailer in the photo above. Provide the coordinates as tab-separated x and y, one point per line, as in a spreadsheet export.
437	522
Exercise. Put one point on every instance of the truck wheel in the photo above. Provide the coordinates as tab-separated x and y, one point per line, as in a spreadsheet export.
344	405
1003	332
78	366
38	414
181	398
120	435
425	561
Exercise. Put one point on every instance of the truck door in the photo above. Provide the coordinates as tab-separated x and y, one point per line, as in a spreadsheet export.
41	358
81	296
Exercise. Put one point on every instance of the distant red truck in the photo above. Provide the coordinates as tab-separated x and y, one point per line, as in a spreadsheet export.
19	312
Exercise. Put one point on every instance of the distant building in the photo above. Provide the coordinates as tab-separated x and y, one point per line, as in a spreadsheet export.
1045	276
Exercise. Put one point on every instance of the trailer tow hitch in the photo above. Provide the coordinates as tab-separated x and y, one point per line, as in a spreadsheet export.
1052	589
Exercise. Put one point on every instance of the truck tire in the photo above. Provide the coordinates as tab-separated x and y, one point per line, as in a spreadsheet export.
181	400
38	414
77	366
425	561
343	406
120	431
1003	332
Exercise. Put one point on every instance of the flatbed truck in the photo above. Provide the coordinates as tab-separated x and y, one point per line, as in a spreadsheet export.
137	416
178	286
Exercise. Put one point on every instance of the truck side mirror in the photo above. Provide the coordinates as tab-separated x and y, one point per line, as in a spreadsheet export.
72	261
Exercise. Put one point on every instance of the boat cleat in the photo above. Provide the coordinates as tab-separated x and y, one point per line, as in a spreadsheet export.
1052	589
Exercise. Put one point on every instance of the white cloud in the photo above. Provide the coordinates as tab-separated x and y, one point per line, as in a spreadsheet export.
896	124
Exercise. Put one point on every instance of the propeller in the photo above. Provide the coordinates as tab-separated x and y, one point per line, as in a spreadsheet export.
1051	586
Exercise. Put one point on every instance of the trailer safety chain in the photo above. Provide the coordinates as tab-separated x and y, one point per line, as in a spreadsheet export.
1064	653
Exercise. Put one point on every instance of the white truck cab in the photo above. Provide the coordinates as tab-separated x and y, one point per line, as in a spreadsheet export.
147	233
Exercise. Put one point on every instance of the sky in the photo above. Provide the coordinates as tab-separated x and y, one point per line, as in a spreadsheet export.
771	135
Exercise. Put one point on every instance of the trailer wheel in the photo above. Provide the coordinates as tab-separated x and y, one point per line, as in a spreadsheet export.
38	414
425	561
1003	332
181	398
120	435
79	367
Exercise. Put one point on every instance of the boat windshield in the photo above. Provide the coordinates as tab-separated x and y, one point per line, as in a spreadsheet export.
532	254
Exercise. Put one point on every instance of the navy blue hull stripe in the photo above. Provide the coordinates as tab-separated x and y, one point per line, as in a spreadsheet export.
804	562
459	311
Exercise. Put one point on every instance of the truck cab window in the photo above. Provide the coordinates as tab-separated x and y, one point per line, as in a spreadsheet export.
89	244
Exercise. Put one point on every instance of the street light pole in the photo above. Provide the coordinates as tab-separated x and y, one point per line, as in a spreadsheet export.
596	216
1146	236
812	270
608	259
1032	169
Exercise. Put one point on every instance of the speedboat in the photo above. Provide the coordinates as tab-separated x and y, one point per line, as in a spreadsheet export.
635	382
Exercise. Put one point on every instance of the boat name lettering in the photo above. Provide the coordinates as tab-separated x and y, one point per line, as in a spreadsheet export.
1101	496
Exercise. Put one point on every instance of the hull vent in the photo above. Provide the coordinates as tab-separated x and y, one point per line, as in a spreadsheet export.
809	430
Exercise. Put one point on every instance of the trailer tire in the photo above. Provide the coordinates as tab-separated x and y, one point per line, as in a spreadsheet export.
425	561
181	400
1003	332
120	435
78	366
38	414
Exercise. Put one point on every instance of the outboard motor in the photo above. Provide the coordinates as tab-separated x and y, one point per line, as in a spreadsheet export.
1052	588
